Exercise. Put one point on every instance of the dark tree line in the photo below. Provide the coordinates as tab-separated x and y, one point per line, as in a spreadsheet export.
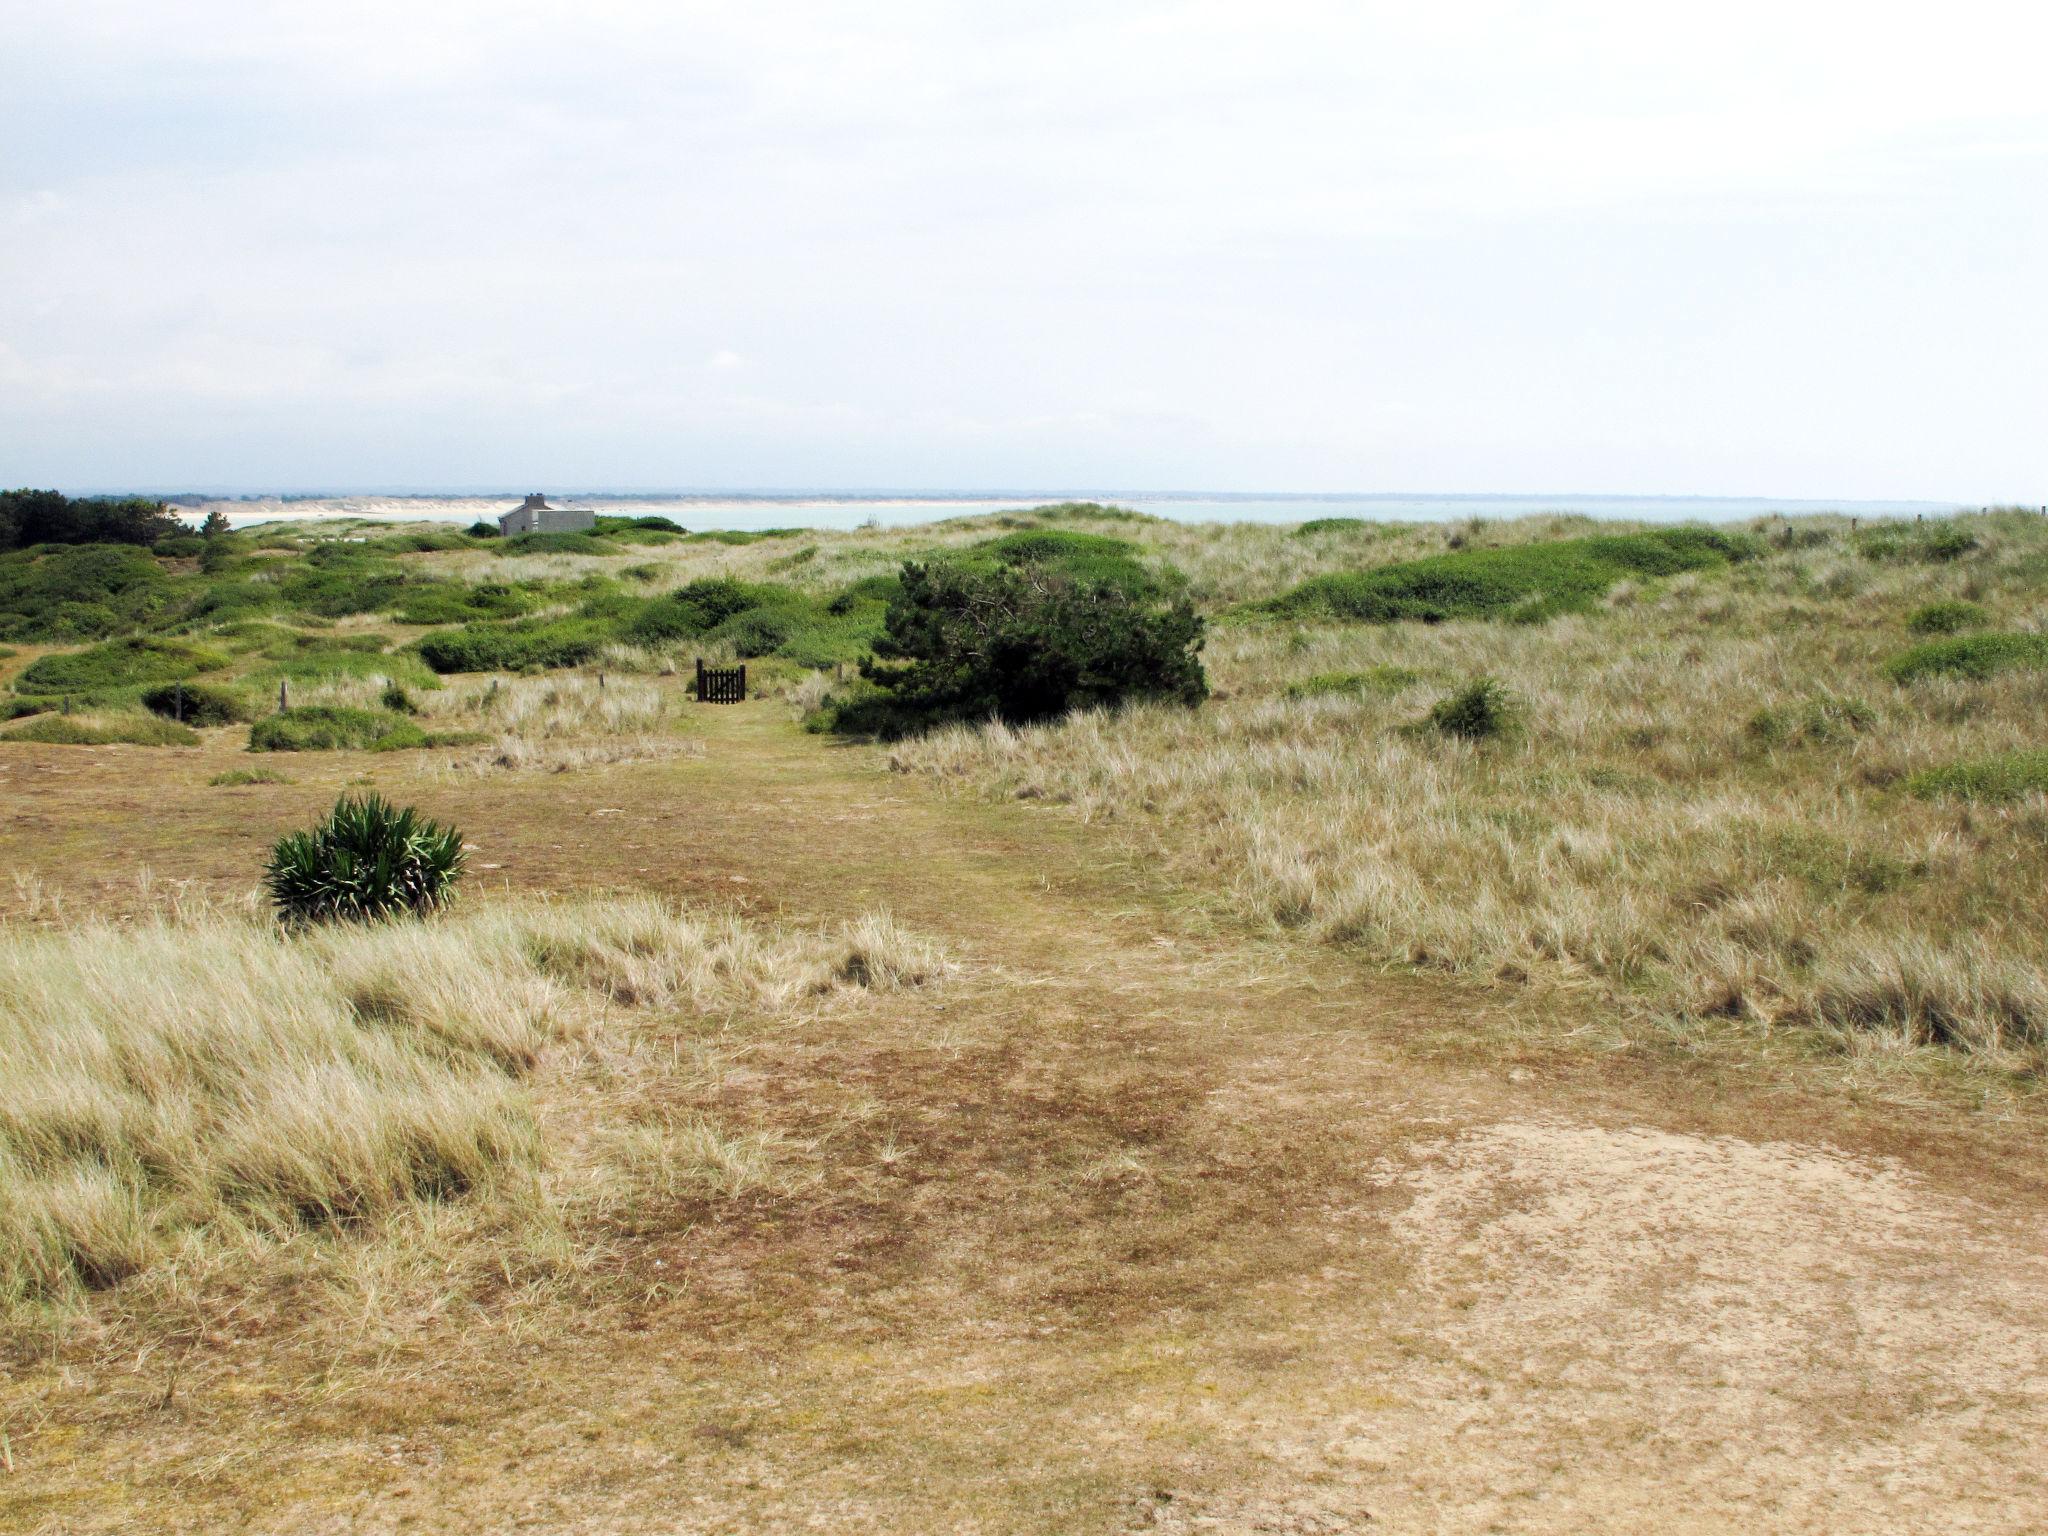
50	517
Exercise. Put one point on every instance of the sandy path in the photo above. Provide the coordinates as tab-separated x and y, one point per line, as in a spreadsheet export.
1149	1226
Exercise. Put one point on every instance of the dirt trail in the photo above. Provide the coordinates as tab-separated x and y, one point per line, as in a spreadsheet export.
1148	1225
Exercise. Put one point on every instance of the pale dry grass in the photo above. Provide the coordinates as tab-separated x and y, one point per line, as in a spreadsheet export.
205	1085
1704	816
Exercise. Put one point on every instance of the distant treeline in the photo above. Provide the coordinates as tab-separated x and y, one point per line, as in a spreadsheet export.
50	517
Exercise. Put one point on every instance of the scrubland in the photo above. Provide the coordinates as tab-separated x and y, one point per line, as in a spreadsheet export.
1721	796
1243	1123
198	1092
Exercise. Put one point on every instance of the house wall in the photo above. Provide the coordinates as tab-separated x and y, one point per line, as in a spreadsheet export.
566	520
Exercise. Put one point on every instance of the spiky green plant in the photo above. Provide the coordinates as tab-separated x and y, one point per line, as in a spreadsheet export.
369	859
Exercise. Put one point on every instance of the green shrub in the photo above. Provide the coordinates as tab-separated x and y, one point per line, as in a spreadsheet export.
967	644
236	777
1970	656
1993	778
397	700
1521	581
368	860
1091	559
514	647
102	731
557	544
1950	616
700	607
1372	680
1480	711
1316	525
335	728
81	593
482	529
118	664
196	704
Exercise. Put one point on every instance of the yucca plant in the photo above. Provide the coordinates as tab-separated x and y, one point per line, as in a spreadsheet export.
369	859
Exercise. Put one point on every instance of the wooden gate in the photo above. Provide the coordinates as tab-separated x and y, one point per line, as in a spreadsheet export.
721	685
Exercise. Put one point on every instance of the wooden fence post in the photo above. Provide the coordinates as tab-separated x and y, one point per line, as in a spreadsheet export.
178	704
284	699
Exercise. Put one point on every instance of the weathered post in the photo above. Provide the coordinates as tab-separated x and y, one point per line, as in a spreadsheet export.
284	699
178	703
743	685
700	679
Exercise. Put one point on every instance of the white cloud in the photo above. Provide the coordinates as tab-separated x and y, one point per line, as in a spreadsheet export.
1785	248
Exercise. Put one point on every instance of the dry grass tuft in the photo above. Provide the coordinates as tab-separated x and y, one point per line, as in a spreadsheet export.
207	1083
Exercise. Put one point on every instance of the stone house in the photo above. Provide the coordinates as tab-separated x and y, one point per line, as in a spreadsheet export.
534	515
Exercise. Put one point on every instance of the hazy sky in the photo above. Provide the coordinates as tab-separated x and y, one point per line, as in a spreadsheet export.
1780	249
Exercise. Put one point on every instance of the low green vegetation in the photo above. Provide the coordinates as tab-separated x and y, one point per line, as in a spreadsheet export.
340	728
1969	656
1930	544
102	731
1527	582
368	860
1480	711
117	664
1377	680
1316	525
2010	777
1949	616
235	778
1823	719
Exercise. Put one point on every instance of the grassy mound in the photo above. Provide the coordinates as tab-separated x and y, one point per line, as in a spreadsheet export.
1993	778
1951	616
102	731
1523	581
335	728
1971	656
118	664
515	647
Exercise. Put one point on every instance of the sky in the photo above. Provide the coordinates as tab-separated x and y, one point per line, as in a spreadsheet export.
1783	249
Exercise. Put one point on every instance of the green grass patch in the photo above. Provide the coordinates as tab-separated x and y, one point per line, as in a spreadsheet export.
337	728
1932	544
1482	710
117	664
102	731
1527	582
1380	680
1969	656
1321	525
515	647
2009	777
234	778
1950	616
1825	719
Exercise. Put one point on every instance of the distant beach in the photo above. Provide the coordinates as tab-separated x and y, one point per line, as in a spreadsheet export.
832	509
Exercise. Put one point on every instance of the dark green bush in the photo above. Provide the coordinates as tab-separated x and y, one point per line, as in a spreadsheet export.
1950	616
1522	581
1316	525
81	593
1972	656
397	700
968	644
117	664
368	860
482	529
196	704
335	728
1480	711
701	607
